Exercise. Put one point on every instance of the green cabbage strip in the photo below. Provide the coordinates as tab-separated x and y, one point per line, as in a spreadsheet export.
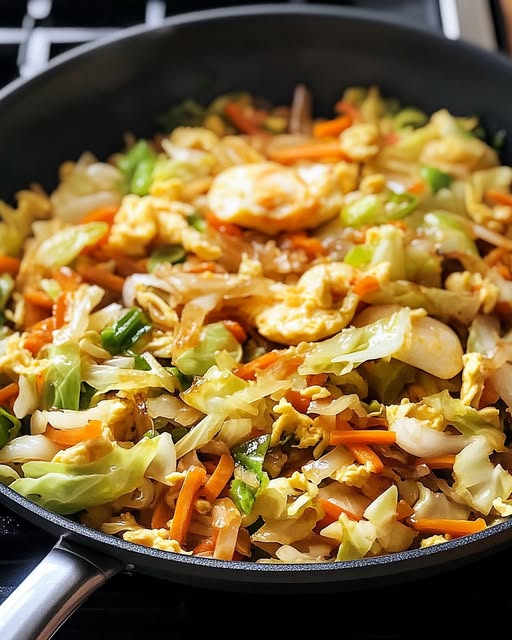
69	488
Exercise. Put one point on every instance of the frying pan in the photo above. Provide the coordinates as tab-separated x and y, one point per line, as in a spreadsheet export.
89	98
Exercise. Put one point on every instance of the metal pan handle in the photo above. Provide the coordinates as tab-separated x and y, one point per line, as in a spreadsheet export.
55	588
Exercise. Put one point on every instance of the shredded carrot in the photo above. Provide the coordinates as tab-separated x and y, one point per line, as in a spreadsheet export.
40	335
67	279
308	151
59	310
417	188
333	510
331	128
438	462
8	392
9	265
403	510
312	247
102	214
219	478
365	285
38	298
361	452
362	436
247	371
452	528
247	120
69	437
499	197
391	138
33	315
297	400
101	277
343	106
162	512
199	267
236	329
194	478
317	378
223	227
206	546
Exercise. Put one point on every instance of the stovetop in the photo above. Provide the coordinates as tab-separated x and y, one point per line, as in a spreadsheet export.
132	606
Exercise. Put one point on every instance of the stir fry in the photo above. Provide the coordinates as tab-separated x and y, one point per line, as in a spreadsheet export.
265	335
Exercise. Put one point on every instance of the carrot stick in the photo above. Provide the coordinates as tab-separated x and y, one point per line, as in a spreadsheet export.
365	285
308	151
242	119
362	436
41	334
67	278
417	188
438	462
162	512
38	298
101	277
312	247
247	371
342	106
9	392
333	510
185	503
219	478
206	546
499	197
403	510
331	128
453	528
227	228
102	214
59	310
236	329
9	265
69	437
361	452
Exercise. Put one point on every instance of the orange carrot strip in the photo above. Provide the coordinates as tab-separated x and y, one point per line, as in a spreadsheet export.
298	401
101	277
417	188
101	214
453	528
242	119
219	478
361	452
248	370
403	510
162	512
69	437
38	298
334	510
9	392
9	265
312	247
342	106
308	151
185	503
499	197
236	329
331	128
41	334
59	310
223	227
205	546
67	278
365	285
438	462
362	436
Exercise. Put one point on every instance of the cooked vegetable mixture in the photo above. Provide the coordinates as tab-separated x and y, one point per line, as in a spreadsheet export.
267	336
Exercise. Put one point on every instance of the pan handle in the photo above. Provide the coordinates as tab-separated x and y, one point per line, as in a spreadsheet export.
55	588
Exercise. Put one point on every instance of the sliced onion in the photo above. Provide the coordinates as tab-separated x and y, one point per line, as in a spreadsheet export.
418	439
25	448
164	462
69	419
327	465
172	408
27	400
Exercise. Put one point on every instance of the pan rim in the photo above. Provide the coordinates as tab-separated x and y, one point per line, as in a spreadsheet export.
464	548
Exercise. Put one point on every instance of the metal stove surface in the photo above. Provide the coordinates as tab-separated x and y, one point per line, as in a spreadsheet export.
132	606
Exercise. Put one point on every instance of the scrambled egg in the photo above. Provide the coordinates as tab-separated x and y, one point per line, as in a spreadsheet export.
272	198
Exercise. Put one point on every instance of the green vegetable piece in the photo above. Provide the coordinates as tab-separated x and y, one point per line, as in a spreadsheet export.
61	248
6	287
63	384
197	221
172	253
359	255
9	427
400	205
387	378
128	162
142	176
410	117
435	178
184	381
250	455
187	113
366	210
125	332
178	433
86	394
213	338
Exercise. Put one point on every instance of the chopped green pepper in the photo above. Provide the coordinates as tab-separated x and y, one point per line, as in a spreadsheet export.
410	117
125	332
9	427
173	253
137	165
250	455
435	178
